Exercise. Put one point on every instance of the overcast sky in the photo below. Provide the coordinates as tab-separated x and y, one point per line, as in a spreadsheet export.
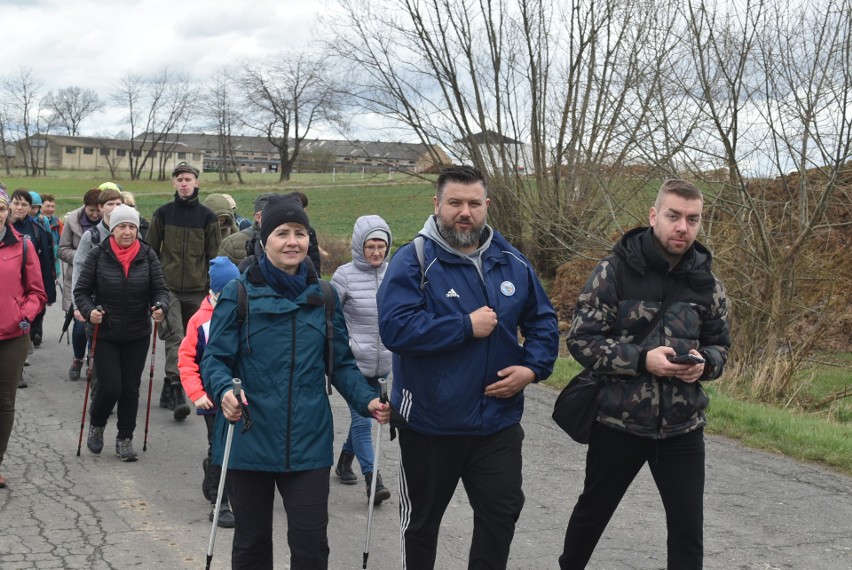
92	44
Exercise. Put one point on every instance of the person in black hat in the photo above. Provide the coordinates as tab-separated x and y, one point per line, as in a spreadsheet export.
278	351
185	236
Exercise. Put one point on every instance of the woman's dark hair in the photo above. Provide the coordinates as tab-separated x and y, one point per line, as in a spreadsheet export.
22	194
90	198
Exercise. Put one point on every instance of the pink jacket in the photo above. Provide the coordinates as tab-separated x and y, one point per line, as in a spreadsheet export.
192	349
19	298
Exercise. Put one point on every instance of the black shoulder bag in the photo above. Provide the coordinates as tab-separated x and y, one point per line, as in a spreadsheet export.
576	407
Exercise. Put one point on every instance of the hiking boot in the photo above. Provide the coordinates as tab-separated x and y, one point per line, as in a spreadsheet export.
124	449
344	468
22	383
179	404
382	492
166	395
36	340
205	484
76	367
226	517
95	441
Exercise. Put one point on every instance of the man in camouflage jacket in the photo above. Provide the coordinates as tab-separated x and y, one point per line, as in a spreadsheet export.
650	409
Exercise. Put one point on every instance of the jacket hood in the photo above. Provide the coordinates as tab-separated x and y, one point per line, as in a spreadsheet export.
219	204
363	227
638	248
430	230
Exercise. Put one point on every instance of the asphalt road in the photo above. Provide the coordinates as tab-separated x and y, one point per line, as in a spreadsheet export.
762	511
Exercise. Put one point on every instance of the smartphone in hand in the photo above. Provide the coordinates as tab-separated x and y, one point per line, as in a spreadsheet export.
686	359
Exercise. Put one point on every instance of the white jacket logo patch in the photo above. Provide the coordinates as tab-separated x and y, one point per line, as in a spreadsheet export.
452	293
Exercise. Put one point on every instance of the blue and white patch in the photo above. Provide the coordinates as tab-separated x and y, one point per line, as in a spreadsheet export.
507	288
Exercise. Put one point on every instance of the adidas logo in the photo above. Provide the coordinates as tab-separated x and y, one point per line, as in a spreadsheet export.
452	293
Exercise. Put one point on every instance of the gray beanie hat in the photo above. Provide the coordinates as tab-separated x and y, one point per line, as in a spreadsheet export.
123	214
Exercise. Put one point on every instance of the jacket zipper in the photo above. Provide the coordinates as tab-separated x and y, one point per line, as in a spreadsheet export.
290	390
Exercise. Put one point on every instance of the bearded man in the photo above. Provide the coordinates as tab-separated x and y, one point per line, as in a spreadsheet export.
450	309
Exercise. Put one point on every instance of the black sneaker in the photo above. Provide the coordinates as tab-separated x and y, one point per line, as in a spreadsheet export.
76	367
37	340
22	383
181	408
124	449
382	492
226	517
95	441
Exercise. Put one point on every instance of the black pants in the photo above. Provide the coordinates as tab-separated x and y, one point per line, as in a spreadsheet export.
120	366
305	496
613	460
430	469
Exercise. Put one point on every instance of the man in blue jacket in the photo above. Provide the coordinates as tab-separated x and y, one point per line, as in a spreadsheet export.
450	309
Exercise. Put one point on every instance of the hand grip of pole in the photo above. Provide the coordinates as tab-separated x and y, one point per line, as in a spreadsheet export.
383	390
238	388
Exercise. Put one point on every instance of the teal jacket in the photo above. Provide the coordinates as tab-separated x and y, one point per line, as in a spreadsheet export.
279	355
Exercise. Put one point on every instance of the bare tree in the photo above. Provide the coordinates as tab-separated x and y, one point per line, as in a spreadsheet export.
220	109
775	95
4	140
70	106
551	100
288	95
28	118
158	110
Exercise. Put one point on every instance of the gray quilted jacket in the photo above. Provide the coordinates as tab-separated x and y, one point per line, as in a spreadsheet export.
357	283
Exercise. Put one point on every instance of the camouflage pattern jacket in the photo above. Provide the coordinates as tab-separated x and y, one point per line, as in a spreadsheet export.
617	303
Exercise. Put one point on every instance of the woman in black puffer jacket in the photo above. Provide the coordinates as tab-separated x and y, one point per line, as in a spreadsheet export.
123	276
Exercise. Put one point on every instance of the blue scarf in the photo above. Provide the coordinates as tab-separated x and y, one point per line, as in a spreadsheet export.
289	286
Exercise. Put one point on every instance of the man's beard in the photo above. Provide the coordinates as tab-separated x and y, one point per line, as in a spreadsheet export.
459	239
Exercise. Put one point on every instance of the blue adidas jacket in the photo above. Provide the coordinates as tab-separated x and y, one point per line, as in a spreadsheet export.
440	370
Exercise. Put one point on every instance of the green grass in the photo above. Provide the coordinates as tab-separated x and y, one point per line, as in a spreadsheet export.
335	202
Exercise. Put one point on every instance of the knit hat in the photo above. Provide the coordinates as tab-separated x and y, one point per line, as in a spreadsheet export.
378	234
185	167
123	214
281	210
36	198
4	197
222	271
109	186
262	201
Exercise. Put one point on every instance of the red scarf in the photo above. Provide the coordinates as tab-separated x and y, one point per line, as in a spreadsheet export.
124	254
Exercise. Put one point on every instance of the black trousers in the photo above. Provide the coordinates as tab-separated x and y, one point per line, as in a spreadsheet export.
613	460
120	366
305	496
490	470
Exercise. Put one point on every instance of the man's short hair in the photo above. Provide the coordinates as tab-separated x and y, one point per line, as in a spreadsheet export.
107	195
90	198
459	175
47	198
678	187
22	194
185	167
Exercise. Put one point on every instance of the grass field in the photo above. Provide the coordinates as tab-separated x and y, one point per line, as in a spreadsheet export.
405	203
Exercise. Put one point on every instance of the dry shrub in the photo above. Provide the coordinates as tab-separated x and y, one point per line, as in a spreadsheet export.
335	252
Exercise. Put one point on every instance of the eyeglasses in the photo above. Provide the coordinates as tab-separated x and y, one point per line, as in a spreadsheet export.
376	248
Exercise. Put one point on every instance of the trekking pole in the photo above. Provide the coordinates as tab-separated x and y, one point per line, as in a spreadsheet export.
151	378
225	457
383	398
89	379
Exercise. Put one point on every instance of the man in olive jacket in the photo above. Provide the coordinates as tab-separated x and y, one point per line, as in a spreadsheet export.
185	235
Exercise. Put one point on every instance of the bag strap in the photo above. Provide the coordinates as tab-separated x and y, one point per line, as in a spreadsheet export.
667	302
24	239
328	301
421	257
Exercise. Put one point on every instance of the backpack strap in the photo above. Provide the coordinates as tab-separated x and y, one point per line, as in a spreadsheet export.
328	301
242	311
24	239
418	242
96	235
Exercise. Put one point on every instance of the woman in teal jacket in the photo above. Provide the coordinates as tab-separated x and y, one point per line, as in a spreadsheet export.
277	348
